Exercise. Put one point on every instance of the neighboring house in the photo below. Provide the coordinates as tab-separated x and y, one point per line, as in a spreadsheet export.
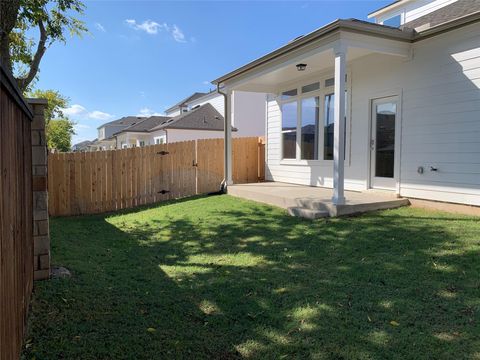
248	110
106	140
202	122
139	133
182	106
82	146
393	106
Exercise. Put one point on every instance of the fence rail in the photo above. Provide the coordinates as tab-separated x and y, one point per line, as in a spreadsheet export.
102	181
16	219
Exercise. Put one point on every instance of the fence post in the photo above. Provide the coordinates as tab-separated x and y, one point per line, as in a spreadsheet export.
41	232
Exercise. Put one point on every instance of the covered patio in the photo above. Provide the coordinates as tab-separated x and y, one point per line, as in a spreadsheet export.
325	52
315	202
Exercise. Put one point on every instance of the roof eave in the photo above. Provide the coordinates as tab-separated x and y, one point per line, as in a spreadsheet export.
337	25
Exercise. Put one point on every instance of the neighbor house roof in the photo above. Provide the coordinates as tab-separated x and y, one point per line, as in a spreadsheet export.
125	121
82	144
192	97
145	125
445	14
205	117
358	26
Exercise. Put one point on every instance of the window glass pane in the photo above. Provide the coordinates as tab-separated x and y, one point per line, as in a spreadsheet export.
309	137
288	94
310	87
393	21
328	127
329	82
289	130
385	140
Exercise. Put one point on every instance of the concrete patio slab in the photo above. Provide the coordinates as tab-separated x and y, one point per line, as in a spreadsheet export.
315	202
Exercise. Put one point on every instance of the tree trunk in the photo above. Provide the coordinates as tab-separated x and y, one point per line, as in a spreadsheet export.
8	17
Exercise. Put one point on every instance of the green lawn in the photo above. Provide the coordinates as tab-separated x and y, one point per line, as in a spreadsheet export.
221	278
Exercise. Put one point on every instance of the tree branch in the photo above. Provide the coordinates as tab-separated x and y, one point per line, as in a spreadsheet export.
41	48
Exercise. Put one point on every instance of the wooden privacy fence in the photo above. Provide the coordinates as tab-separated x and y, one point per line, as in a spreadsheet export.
95	182
16	218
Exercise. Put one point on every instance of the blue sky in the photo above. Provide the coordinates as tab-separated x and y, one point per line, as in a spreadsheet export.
143	56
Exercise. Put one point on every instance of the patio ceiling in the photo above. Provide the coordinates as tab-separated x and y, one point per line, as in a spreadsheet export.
273	74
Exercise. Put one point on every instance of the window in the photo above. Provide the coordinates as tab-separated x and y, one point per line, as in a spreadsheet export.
289	130
289	94
141	143
310	87
328	127
309	129
159	140
303	110
395	21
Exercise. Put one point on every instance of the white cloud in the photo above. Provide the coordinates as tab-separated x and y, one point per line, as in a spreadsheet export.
74	110
152	27
206	82
177	34
79	111
149	26
100	27
99	115
148	112
81	126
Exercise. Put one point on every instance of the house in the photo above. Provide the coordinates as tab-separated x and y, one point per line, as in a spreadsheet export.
139	133
82	146
248	110
391	106
201	122
106	140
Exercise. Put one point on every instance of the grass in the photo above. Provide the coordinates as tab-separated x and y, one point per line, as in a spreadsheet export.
221	278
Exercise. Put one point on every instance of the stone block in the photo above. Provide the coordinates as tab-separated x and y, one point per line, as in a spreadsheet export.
40	200
36	138
40	214
40	170
41	245
41	274
36	263
38	122
39	183
42	227
44	261
39	155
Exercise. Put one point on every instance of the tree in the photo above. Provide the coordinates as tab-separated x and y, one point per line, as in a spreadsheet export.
53	18
56	103
59	128
59	134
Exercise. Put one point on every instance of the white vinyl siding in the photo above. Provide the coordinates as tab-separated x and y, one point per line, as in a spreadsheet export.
414	10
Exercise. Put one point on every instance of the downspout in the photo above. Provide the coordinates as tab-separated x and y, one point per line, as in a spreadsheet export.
223	185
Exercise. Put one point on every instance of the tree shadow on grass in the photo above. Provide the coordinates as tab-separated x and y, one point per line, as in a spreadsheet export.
225	278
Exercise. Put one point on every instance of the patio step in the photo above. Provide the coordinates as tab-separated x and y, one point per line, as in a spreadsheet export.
306	213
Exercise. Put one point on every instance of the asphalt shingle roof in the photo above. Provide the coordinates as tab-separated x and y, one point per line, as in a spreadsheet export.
445	14
205	117
147	124
192	97
126	121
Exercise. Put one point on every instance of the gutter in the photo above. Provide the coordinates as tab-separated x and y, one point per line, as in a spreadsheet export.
223	184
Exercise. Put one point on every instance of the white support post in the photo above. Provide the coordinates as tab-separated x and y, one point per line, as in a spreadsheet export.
339	127
228	138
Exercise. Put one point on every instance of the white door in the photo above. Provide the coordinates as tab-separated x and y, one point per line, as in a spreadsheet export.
382	143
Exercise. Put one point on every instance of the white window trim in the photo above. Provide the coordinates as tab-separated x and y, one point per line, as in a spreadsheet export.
321	93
